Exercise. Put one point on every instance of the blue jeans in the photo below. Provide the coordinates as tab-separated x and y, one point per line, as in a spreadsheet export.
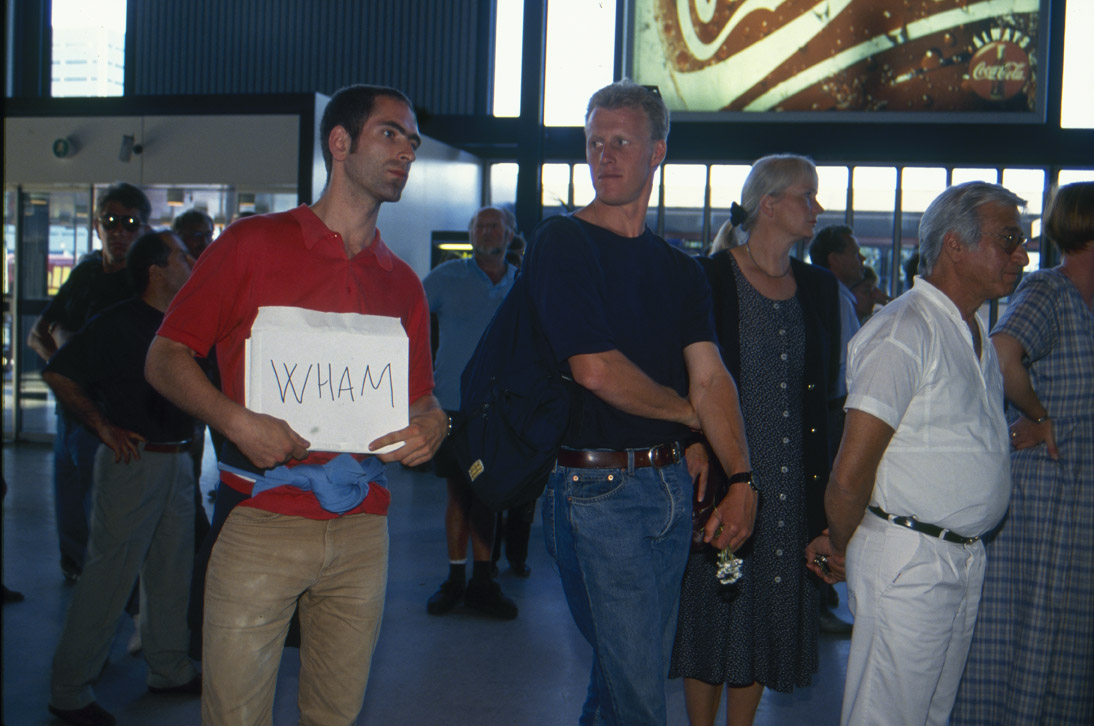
620	538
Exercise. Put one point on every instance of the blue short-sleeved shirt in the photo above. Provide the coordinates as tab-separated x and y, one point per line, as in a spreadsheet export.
464	300
600	291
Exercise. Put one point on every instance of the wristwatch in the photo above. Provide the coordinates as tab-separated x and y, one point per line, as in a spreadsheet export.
745	476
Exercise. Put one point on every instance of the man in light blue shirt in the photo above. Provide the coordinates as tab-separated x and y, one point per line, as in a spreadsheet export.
463	296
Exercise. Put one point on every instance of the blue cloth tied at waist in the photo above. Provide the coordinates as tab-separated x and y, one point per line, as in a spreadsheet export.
340	485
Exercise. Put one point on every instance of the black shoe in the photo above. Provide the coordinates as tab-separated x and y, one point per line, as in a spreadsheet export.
70	569
831	625
90	715
192	687
446	598
520	570
486	597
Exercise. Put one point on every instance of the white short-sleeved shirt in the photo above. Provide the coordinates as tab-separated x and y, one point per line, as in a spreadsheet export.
913	366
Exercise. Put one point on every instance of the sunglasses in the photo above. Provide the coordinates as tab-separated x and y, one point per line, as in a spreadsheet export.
111	222
1011	242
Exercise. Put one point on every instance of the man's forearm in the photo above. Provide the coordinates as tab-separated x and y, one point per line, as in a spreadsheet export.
76	402
844	509
718	409
41	340
613	378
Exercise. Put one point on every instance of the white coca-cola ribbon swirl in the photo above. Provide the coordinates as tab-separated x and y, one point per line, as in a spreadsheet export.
704	9
936	23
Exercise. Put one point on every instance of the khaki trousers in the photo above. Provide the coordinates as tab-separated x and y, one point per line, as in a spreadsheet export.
262	566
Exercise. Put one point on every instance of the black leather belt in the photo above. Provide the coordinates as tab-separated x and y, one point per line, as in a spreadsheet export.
656	456
931	529
172	448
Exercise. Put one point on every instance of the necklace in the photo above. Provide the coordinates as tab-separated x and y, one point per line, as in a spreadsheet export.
784	273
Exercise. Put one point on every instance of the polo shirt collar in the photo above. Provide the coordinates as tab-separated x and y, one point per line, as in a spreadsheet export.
313	230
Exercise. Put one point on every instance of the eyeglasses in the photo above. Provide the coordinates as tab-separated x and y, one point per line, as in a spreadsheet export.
1012	241
111	222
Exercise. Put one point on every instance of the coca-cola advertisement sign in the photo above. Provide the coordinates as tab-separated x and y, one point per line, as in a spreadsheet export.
877	56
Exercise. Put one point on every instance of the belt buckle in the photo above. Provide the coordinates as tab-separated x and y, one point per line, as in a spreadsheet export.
651	455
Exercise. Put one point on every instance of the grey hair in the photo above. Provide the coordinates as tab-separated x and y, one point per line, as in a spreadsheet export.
770	177
956	210
506	215
628	94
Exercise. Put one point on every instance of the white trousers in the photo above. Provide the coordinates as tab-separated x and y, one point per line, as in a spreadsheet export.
914	598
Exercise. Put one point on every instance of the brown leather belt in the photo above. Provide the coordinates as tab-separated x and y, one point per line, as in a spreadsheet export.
176	448
656	456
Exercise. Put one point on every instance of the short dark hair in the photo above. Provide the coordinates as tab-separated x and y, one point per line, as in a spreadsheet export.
350	108
833	238
1070	219
189	217
126	195
150	249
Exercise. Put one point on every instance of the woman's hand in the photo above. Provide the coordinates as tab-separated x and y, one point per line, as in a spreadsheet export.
1025	434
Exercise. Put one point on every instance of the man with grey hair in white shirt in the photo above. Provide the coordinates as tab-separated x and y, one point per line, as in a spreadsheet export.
923	469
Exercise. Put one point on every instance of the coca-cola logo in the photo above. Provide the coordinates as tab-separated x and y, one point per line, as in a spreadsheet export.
999	70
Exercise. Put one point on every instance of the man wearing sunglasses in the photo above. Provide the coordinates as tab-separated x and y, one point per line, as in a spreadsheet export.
97	282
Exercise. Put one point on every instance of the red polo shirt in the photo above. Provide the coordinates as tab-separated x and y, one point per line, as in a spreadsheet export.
293	259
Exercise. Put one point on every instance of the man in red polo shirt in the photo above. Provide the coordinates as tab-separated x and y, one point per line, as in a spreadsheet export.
280	548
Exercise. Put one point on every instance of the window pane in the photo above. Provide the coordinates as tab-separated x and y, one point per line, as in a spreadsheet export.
685	191
832	190
726	182
651	211
88	48
1070	176
580	57
503	183
960	176
875	188
555	180
508	56
1077	104
583	186
685	185
1028	184
919	186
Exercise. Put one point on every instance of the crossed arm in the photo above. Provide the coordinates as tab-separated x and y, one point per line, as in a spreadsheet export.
265	440
711	405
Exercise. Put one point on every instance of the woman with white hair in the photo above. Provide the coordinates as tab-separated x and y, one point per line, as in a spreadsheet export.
778	325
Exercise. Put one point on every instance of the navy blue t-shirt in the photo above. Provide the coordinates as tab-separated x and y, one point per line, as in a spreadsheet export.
600	291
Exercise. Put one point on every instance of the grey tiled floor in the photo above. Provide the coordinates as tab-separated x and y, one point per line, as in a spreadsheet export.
458	669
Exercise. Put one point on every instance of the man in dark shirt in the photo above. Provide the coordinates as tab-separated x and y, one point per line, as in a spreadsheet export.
631	320
97	282
142	514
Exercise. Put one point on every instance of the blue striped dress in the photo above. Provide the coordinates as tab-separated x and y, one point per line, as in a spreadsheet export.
1032	654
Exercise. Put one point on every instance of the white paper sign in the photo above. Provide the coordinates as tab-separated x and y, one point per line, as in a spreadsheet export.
340	380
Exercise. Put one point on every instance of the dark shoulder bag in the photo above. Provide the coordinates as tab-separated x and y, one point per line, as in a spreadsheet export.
514	405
